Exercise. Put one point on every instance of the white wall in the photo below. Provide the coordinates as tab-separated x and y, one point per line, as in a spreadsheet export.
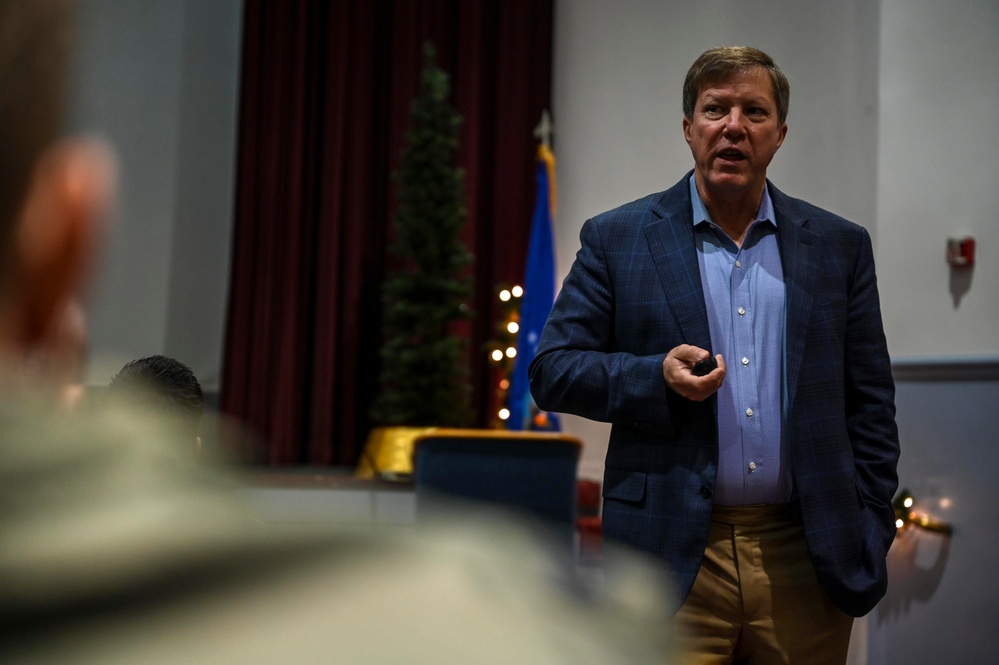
158	80
937	175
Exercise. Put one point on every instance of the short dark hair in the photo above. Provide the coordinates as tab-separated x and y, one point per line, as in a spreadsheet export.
160	383
721	64
34	67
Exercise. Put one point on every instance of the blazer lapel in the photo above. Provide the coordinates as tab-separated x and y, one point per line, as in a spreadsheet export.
671	240
798	249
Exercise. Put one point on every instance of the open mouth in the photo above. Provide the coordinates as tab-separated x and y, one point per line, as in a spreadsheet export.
731	156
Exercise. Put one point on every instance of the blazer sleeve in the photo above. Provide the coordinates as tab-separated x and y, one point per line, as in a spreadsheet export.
870	395
582	365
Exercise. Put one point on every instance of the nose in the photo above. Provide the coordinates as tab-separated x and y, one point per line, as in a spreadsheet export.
735	123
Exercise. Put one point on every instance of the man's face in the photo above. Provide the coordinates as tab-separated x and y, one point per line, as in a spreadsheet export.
735	133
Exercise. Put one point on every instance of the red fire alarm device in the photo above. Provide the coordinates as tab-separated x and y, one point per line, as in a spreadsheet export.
961	251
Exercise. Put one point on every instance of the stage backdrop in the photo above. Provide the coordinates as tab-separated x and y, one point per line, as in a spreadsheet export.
325	93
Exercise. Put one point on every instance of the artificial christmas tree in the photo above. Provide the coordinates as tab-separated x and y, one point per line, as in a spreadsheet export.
424	379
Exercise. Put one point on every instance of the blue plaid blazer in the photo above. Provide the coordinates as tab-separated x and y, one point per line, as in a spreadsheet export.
634	292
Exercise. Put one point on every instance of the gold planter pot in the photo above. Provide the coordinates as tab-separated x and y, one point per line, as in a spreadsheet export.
388	453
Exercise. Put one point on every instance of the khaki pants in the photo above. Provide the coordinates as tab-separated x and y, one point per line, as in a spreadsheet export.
757	598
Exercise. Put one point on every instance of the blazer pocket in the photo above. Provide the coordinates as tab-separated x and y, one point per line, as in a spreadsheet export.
624	485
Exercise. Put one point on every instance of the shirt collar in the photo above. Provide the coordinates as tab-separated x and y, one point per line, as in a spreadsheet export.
764	214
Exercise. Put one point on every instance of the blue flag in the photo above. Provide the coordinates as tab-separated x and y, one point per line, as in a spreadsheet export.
536	303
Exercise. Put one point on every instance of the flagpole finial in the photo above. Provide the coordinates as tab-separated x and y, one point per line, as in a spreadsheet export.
543	132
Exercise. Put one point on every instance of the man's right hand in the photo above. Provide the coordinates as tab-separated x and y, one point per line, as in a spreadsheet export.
676	371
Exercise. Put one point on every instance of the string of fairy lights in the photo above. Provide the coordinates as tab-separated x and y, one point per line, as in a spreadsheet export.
502	349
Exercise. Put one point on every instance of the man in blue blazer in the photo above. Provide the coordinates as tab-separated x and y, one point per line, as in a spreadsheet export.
764	484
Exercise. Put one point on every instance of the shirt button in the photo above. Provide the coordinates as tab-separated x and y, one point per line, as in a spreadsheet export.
745	361
752	467
742	311
749	412
738	264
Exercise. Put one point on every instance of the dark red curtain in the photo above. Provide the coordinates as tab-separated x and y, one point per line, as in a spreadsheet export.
324	106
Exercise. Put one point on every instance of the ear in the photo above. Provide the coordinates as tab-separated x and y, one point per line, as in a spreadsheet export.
57	234
781	135
686	129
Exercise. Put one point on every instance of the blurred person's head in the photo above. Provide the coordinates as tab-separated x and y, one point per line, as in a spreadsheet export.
54	192
164	386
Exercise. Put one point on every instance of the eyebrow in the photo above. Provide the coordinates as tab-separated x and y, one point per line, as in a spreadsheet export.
754	100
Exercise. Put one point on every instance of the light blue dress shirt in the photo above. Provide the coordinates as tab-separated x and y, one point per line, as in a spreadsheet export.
744	295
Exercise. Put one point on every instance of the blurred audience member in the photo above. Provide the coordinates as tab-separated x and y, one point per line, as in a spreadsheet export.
164	386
